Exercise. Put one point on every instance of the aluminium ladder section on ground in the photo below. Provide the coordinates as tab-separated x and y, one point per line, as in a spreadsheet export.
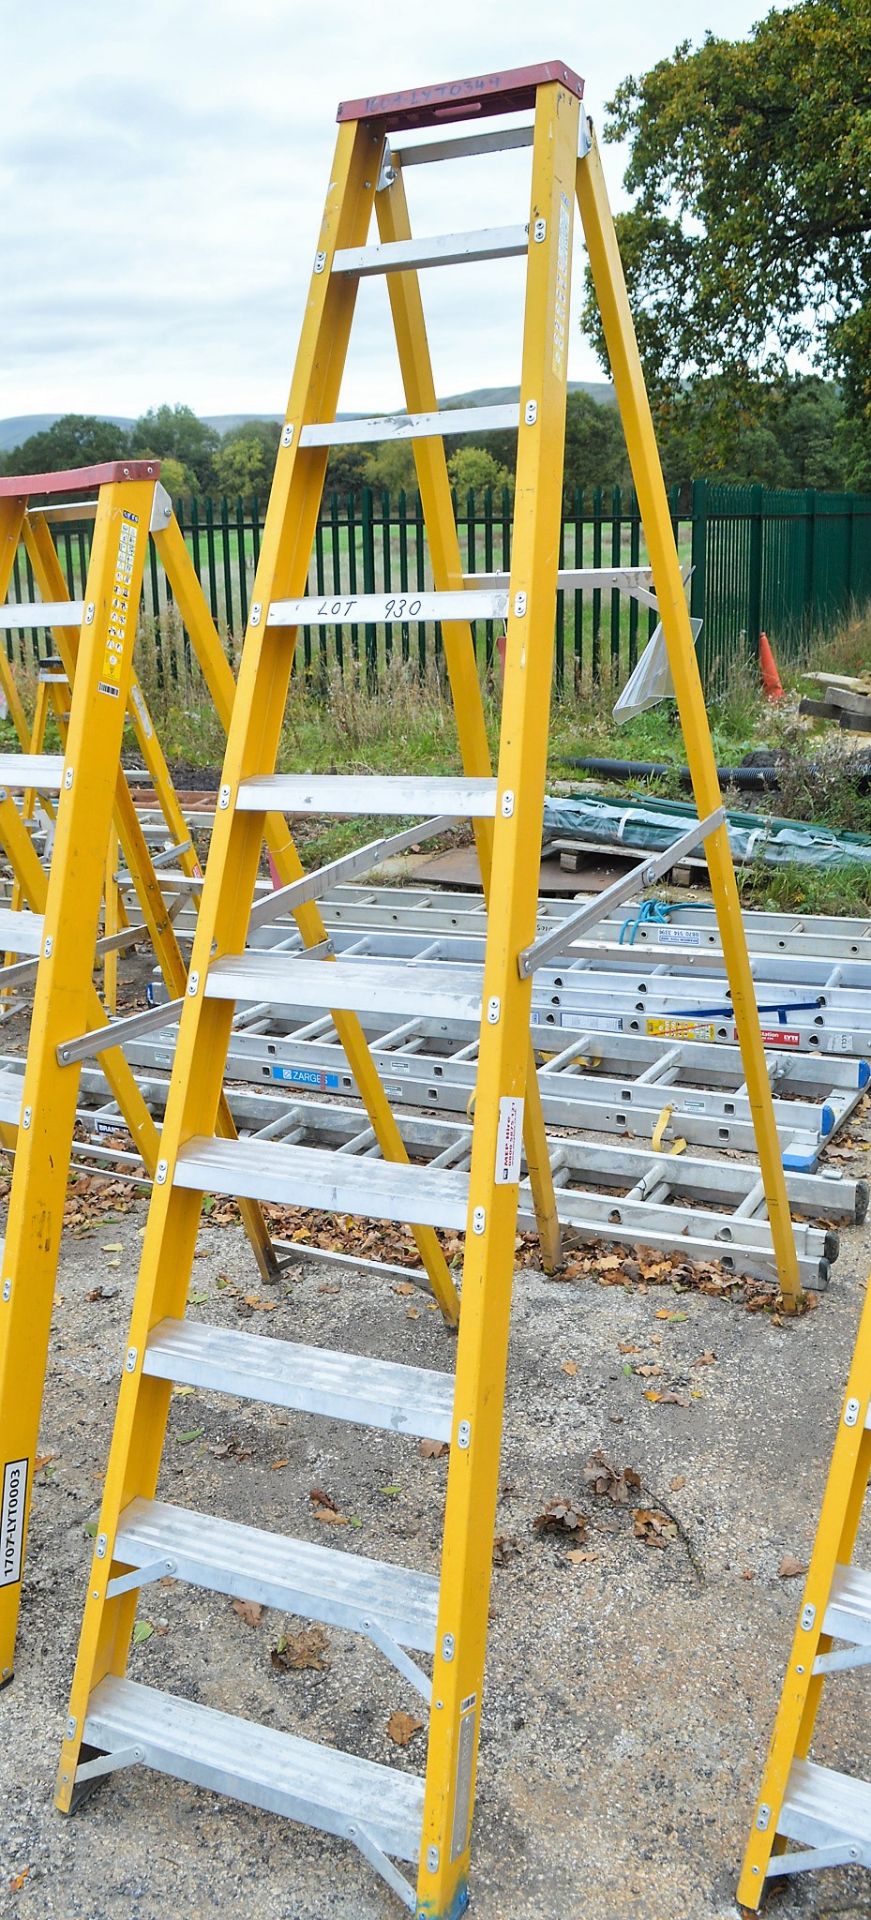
691	1208
114	1721
808	1815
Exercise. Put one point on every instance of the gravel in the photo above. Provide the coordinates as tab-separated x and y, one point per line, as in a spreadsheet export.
630	1694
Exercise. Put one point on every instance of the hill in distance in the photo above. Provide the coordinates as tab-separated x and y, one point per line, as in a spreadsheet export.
20	427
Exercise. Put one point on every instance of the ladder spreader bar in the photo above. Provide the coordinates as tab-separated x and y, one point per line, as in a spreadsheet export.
409	426
435	250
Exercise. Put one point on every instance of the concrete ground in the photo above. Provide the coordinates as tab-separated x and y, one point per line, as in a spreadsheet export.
630	1692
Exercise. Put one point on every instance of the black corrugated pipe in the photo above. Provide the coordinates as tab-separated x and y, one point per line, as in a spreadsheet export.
746	779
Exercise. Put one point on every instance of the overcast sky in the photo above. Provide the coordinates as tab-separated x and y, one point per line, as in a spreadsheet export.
163	171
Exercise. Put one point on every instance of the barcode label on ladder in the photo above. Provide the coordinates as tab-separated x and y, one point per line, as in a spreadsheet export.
509	1140
12	1523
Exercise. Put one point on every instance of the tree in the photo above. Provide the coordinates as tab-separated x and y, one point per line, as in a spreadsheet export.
176	433
390	465
244	466
76	440
595	448
473	469
747	242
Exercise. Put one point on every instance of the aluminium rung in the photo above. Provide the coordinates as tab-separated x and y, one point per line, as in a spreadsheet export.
20	932
378	793
434	250
632	580
315	1177
11	1085
848	1611
42	613
388	609
361	986
820	1806
321	1786
44	771
317	1582
409	426
339	1386
462	147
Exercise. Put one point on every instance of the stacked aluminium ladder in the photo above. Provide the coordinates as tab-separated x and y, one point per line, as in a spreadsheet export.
114	1721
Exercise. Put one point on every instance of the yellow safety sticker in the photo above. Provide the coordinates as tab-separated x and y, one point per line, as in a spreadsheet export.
665	1028
122	614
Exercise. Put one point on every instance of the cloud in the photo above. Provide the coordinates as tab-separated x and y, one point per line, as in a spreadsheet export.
162	174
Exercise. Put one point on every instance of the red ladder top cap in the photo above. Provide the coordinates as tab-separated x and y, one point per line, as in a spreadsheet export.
472	99
18	486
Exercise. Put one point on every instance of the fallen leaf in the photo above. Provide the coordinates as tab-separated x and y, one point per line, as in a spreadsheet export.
405	1287
747	1573
112	1246
296	1651
579	1557
608	1482
648	1371
42	1460
329	1286
505	1548
570	1367
248	1610
706	1359
433	1449
319	1498
402	1727
275	1464
142	1631
626	1346
654	1528
561	1516
193	1433
17	1883
258	1306
197	1299
678	1482
789	1568
412	1313
391	1492
331	1517
666	1399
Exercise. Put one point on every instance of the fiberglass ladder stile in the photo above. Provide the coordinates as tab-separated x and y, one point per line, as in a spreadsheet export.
823	1811
389	1814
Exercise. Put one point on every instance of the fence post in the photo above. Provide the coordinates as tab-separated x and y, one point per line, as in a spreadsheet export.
699	576
754	573
850	569
367	531
810	578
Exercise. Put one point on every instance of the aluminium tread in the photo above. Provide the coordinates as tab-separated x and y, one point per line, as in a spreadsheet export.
279	1772
316	1177
318	1380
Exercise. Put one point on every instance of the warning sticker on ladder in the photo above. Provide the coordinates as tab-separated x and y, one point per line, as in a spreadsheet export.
509	1140
120	609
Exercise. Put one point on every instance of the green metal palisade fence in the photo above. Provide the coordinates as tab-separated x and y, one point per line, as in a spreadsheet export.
788	563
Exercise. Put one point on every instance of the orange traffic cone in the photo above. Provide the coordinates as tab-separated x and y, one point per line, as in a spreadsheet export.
768	668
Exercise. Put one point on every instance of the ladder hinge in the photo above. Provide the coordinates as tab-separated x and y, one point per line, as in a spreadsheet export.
386	171
851	1413
808	1616
762	1818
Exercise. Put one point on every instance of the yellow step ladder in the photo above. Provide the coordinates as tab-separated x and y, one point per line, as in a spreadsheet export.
389	1815
28	506
824	1813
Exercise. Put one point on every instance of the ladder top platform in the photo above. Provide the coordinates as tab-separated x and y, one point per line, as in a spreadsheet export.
18	485
512	91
